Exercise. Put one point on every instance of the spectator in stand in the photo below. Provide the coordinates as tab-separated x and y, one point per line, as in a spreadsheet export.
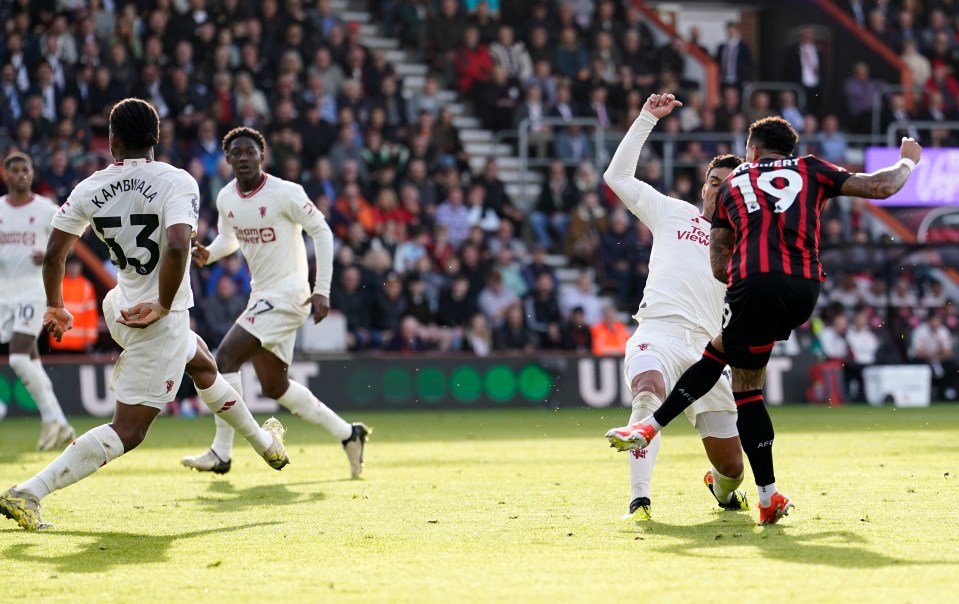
534	111
513	334
587	223
407	337
734	58
221	311
499	100
582	295
934	297
511	54
573	145
576	334
903	295
609	335
456	305
878	25
618	258
859	90
495	299
58	180
863	347
789	110
832	339
473	65
80	299
355	301
945	83
832	142
570	57
803	66
478	338
454	216
538	267
932	344
918	65
896	113
542	308
760	106
728	107
556	200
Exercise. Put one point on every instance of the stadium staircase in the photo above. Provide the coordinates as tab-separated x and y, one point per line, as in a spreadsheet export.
478	142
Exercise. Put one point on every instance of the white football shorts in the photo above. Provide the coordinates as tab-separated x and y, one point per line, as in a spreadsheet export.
671	348
21	313
151	366
274	322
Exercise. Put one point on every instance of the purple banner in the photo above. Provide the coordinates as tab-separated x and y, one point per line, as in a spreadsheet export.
934	182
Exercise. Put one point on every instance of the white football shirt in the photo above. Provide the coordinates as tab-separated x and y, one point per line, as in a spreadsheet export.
23	232
680	281
130	205
267	225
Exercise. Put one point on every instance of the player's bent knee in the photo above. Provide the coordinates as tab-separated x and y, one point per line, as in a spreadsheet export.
648	381
275	388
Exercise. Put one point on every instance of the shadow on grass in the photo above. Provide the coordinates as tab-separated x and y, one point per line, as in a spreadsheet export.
842	549
225	497
102	551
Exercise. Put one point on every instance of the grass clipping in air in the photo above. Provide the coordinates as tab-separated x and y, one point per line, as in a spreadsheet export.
496	506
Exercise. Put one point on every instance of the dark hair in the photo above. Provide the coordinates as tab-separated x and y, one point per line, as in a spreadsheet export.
774	134
244	132
136	123
726	160
17	156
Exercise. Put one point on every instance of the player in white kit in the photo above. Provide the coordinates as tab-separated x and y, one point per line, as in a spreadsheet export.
681	309
264	217
24	227
145	212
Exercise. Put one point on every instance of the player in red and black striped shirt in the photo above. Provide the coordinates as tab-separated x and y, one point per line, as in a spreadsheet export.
764	243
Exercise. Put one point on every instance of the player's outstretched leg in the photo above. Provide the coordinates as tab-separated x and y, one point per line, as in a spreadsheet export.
720	436
226	403
273	373
82	458
301	402
55	431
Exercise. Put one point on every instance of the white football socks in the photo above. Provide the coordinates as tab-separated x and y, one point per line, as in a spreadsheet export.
641	462
83	457
766	493
223	439
224	401
38	384
723	486
302	403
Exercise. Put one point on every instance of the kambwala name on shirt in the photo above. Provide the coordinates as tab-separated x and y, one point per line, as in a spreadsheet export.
124	186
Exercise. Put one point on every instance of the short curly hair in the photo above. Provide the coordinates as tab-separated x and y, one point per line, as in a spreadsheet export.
774	134
726	160
244	132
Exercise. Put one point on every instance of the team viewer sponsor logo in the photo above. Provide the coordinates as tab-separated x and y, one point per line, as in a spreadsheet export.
255	235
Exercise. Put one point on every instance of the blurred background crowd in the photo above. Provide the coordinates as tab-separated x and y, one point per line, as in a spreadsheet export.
434	251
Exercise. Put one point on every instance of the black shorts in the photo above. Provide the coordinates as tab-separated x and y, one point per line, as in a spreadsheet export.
761	309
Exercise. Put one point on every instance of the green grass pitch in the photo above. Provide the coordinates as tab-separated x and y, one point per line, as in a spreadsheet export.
497	506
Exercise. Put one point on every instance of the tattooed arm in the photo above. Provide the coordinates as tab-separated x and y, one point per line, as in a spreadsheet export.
884	183
721	242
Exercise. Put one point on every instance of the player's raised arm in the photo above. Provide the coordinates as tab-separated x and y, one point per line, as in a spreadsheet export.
303	211
641	199
57	320
885	183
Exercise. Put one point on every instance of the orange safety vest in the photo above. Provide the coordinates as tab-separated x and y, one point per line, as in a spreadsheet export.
609	342
80	299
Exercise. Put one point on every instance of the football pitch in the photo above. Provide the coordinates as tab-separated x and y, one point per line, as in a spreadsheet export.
497	506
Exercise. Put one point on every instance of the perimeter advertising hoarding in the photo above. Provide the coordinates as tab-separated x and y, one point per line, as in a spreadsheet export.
411	383
934	182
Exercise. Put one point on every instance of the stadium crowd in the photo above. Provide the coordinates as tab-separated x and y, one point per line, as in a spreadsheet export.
429	254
